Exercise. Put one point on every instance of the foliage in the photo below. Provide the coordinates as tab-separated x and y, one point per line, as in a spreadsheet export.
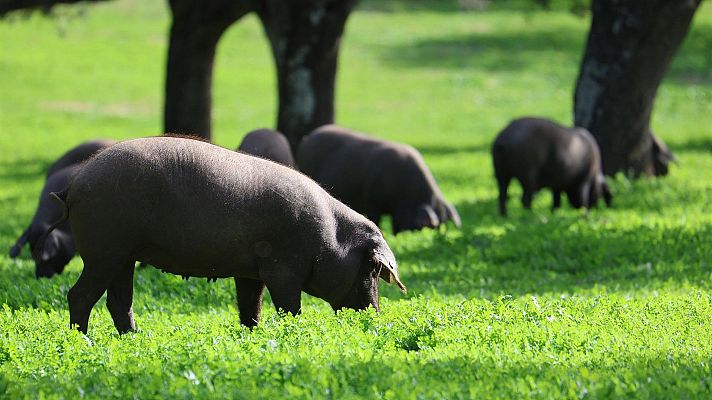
616	303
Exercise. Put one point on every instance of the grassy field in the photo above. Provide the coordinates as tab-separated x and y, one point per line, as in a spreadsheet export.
618	303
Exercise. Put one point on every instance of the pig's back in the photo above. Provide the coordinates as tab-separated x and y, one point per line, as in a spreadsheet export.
525	144
79	154
345	162
192	197
174	165
268	144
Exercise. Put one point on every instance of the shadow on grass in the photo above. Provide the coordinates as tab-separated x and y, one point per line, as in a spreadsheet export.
657	194
693	63
349	376
563	253
452	6
489	51
391	6
23	170
698	145
529	44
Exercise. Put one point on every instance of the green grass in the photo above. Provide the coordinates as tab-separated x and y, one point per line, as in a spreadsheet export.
618	303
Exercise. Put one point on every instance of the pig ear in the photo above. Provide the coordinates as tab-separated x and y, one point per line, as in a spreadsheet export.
452	214
388	269
50	250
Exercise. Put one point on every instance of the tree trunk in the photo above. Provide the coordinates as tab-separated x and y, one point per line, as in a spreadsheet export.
305	37
630	46
197	27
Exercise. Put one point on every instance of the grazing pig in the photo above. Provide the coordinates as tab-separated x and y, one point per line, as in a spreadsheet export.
268	144
541	153
194	209
375	177
59	247
79	154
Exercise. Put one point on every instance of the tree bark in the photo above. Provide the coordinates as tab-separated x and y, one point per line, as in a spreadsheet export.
305	37
197	26
630	46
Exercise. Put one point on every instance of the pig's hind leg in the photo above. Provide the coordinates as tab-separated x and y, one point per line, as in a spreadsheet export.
287	299
119	299
503	185
82	297
249	300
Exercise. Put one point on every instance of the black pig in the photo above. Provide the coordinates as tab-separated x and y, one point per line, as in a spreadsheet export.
79	154
59	247
541	153
268	144
375	177
194	209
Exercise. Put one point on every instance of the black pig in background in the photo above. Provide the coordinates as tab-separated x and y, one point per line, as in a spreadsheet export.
375	177
540	153
59	247
268	144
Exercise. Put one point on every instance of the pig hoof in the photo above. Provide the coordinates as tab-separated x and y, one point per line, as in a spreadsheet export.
15	251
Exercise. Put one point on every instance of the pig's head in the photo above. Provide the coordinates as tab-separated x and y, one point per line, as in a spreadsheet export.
368	263
58	250
662	156
430	214
447	212
415	200
599	189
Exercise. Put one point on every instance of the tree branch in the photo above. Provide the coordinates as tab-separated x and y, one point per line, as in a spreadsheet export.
7	6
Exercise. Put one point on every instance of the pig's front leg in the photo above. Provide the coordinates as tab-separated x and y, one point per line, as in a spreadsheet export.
249	300
286	297
284	285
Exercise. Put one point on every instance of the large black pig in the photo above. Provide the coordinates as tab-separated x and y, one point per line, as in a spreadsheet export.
194	209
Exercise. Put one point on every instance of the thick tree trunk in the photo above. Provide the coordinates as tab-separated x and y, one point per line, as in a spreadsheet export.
197	27
630	46
305	37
